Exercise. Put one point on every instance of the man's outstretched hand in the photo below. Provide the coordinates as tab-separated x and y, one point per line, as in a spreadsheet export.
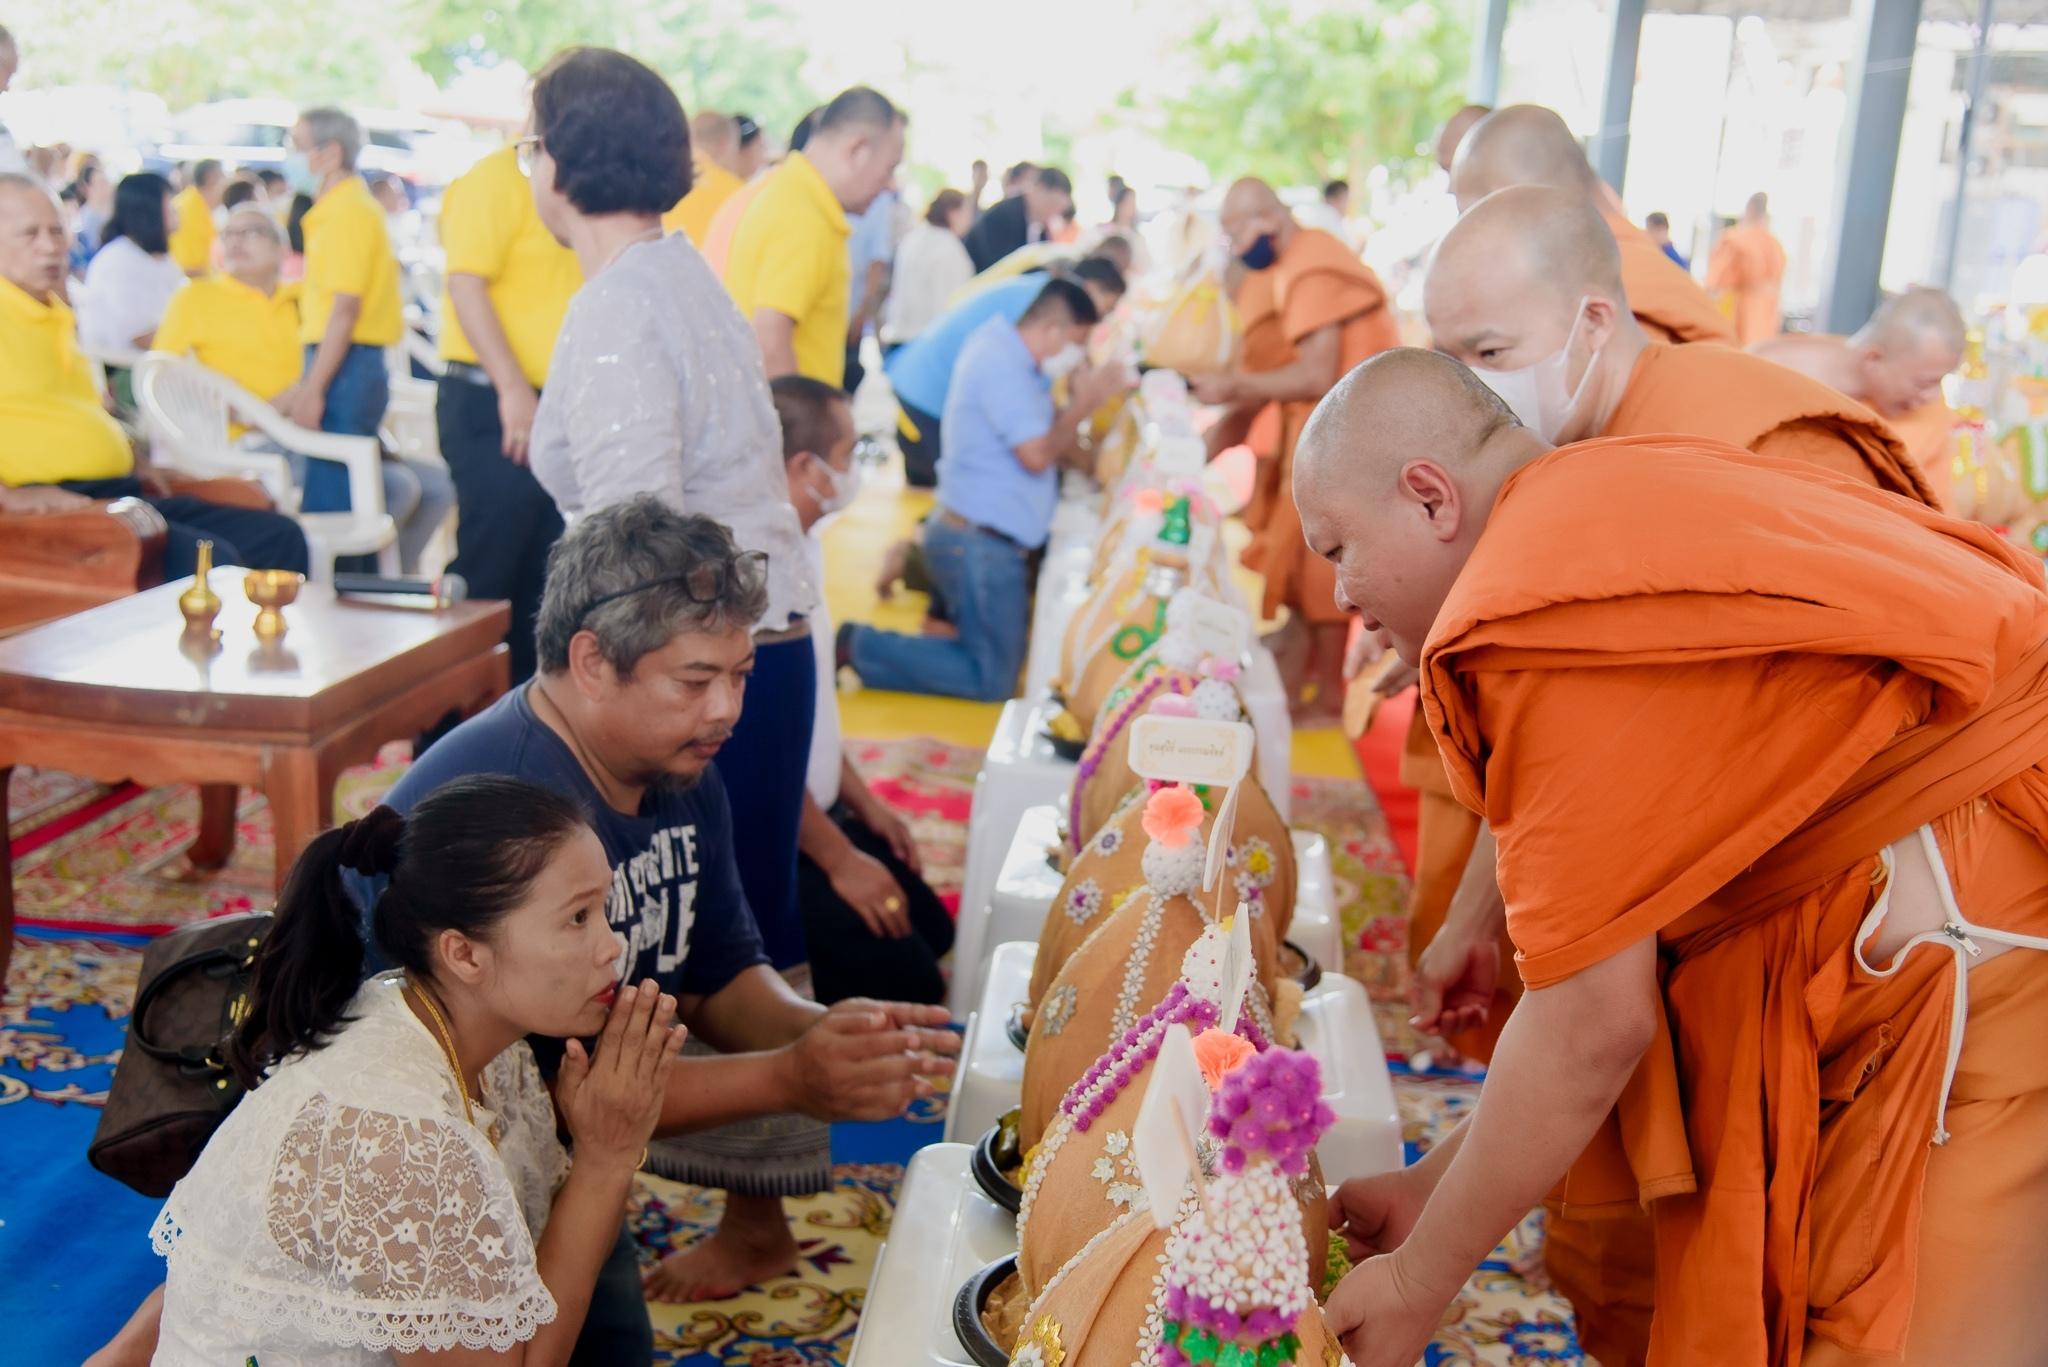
870	1060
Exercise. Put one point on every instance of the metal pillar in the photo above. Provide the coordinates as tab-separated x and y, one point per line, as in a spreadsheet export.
1609	148
1863	199
1484	85
1980	46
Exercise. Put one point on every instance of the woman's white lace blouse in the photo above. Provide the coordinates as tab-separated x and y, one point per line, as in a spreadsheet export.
347	1208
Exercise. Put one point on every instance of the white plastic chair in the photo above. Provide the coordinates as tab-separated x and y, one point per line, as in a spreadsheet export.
187	409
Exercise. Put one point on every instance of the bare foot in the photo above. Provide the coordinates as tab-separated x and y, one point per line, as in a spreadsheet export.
893	561
720	1266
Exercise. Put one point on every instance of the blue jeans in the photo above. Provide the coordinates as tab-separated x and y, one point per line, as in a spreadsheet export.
356	400
986	582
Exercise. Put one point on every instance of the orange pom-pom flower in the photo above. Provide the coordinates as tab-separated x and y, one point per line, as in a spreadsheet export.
1172	816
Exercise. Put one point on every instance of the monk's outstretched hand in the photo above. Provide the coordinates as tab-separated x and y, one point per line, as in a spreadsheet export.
1454	981
1383	1316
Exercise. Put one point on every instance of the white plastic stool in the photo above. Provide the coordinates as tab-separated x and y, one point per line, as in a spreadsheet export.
1062	589
1337	1027
1025	889
1020	771
1316	926
1265	706
990	1076
943	1232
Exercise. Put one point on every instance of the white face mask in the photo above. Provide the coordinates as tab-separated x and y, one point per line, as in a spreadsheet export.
1537	392
844	488
1064	361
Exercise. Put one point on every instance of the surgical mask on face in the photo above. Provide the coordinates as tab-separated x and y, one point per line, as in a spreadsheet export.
1260	255
1064	361
299	175
844	488
1537	393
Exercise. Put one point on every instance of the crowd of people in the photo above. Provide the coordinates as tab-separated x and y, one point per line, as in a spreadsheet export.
1683	776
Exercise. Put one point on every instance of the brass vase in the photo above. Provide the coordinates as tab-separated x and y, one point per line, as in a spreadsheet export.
199	603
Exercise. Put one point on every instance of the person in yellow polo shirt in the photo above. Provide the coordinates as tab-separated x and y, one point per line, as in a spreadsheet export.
59	450
192	240
509	283
245	324
788	269
715	139
350	310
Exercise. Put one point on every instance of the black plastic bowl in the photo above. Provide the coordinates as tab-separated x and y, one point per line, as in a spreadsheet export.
988	1174
1311	972
967	1308
1068	750
1013	1026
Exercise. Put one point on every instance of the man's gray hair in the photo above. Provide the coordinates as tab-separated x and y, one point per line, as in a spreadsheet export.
641	550
327	124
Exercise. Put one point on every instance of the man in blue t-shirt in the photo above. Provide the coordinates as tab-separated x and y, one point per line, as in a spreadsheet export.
921	370
999	483
645	642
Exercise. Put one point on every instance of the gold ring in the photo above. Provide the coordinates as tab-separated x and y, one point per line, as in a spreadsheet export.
893	904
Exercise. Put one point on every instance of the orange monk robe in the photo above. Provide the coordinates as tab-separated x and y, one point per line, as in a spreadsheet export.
1709	737
1926	431
1748	267
713	186
1667	302
1317	282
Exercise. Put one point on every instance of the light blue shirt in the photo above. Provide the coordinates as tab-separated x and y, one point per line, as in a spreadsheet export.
873	239
921	370
1000	400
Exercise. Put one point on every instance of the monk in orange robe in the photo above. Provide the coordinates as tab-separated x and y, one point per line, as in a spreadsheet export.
1526	144
1894	365
1746	273
1527	289
1765	751
1312	311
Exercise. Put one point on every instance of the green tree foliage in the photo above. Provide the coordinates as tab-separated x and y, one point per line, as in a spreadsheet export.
1300	98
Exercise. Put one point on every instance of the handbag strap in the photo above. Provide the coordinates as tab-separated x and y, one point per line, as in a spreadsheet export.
215	963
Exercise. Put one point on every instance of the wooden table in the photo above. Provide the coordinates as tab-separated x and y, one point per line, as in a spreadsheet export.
119	692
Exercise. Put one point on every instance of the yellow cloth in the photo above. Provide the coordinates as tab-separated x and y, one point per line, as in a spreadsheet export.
52	426
490	229
789	255
693	213
192	243
238	330
348	251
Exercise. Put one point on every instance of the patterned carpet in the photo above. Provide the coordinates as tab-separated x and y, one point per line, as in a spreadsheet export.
99	869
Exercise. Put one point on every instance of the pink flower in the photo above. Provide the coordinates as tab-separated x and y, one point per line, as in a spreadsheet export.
1217	1054
1214	667
1172	816
1172	705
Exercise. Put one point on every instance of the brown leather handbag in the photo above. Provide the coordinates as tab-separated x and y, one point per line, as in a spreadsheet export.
173	1086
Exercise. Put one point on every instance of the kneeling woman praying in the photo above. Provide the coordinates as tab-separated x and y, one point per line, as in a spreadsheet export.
395	1185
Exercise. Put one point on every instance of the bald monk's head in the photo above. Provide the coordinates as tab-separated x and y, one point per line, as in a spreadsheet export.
1395	476
1523	144
1252	213
1906	349
716	137
1526	289
1455	129
1758	210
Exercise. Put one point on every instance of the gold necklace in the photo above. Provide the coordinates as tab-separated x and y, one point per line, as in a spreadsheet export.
447	1039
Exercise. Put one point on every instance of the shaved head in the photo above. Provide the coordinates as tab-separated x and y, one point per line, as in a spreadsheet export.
1530	274
1395	475
1907	348
715	136
1523	144
1252	210
1455	129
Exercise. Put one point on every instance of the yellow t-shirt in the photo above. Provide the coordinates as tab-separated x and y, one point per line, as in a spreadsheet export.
693	212
489	228
192	244
52	425
348	251
789	255
238	330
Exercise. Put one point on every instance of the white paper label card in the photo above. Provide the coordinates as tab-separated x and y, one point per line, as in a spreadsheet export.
1237	969
1219	837
1177	456
1217	629
1190	750
1175	1108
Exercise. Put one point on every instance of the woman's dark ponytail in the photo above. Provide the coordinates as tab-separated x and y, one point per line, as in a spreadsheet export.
467	855
311	963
